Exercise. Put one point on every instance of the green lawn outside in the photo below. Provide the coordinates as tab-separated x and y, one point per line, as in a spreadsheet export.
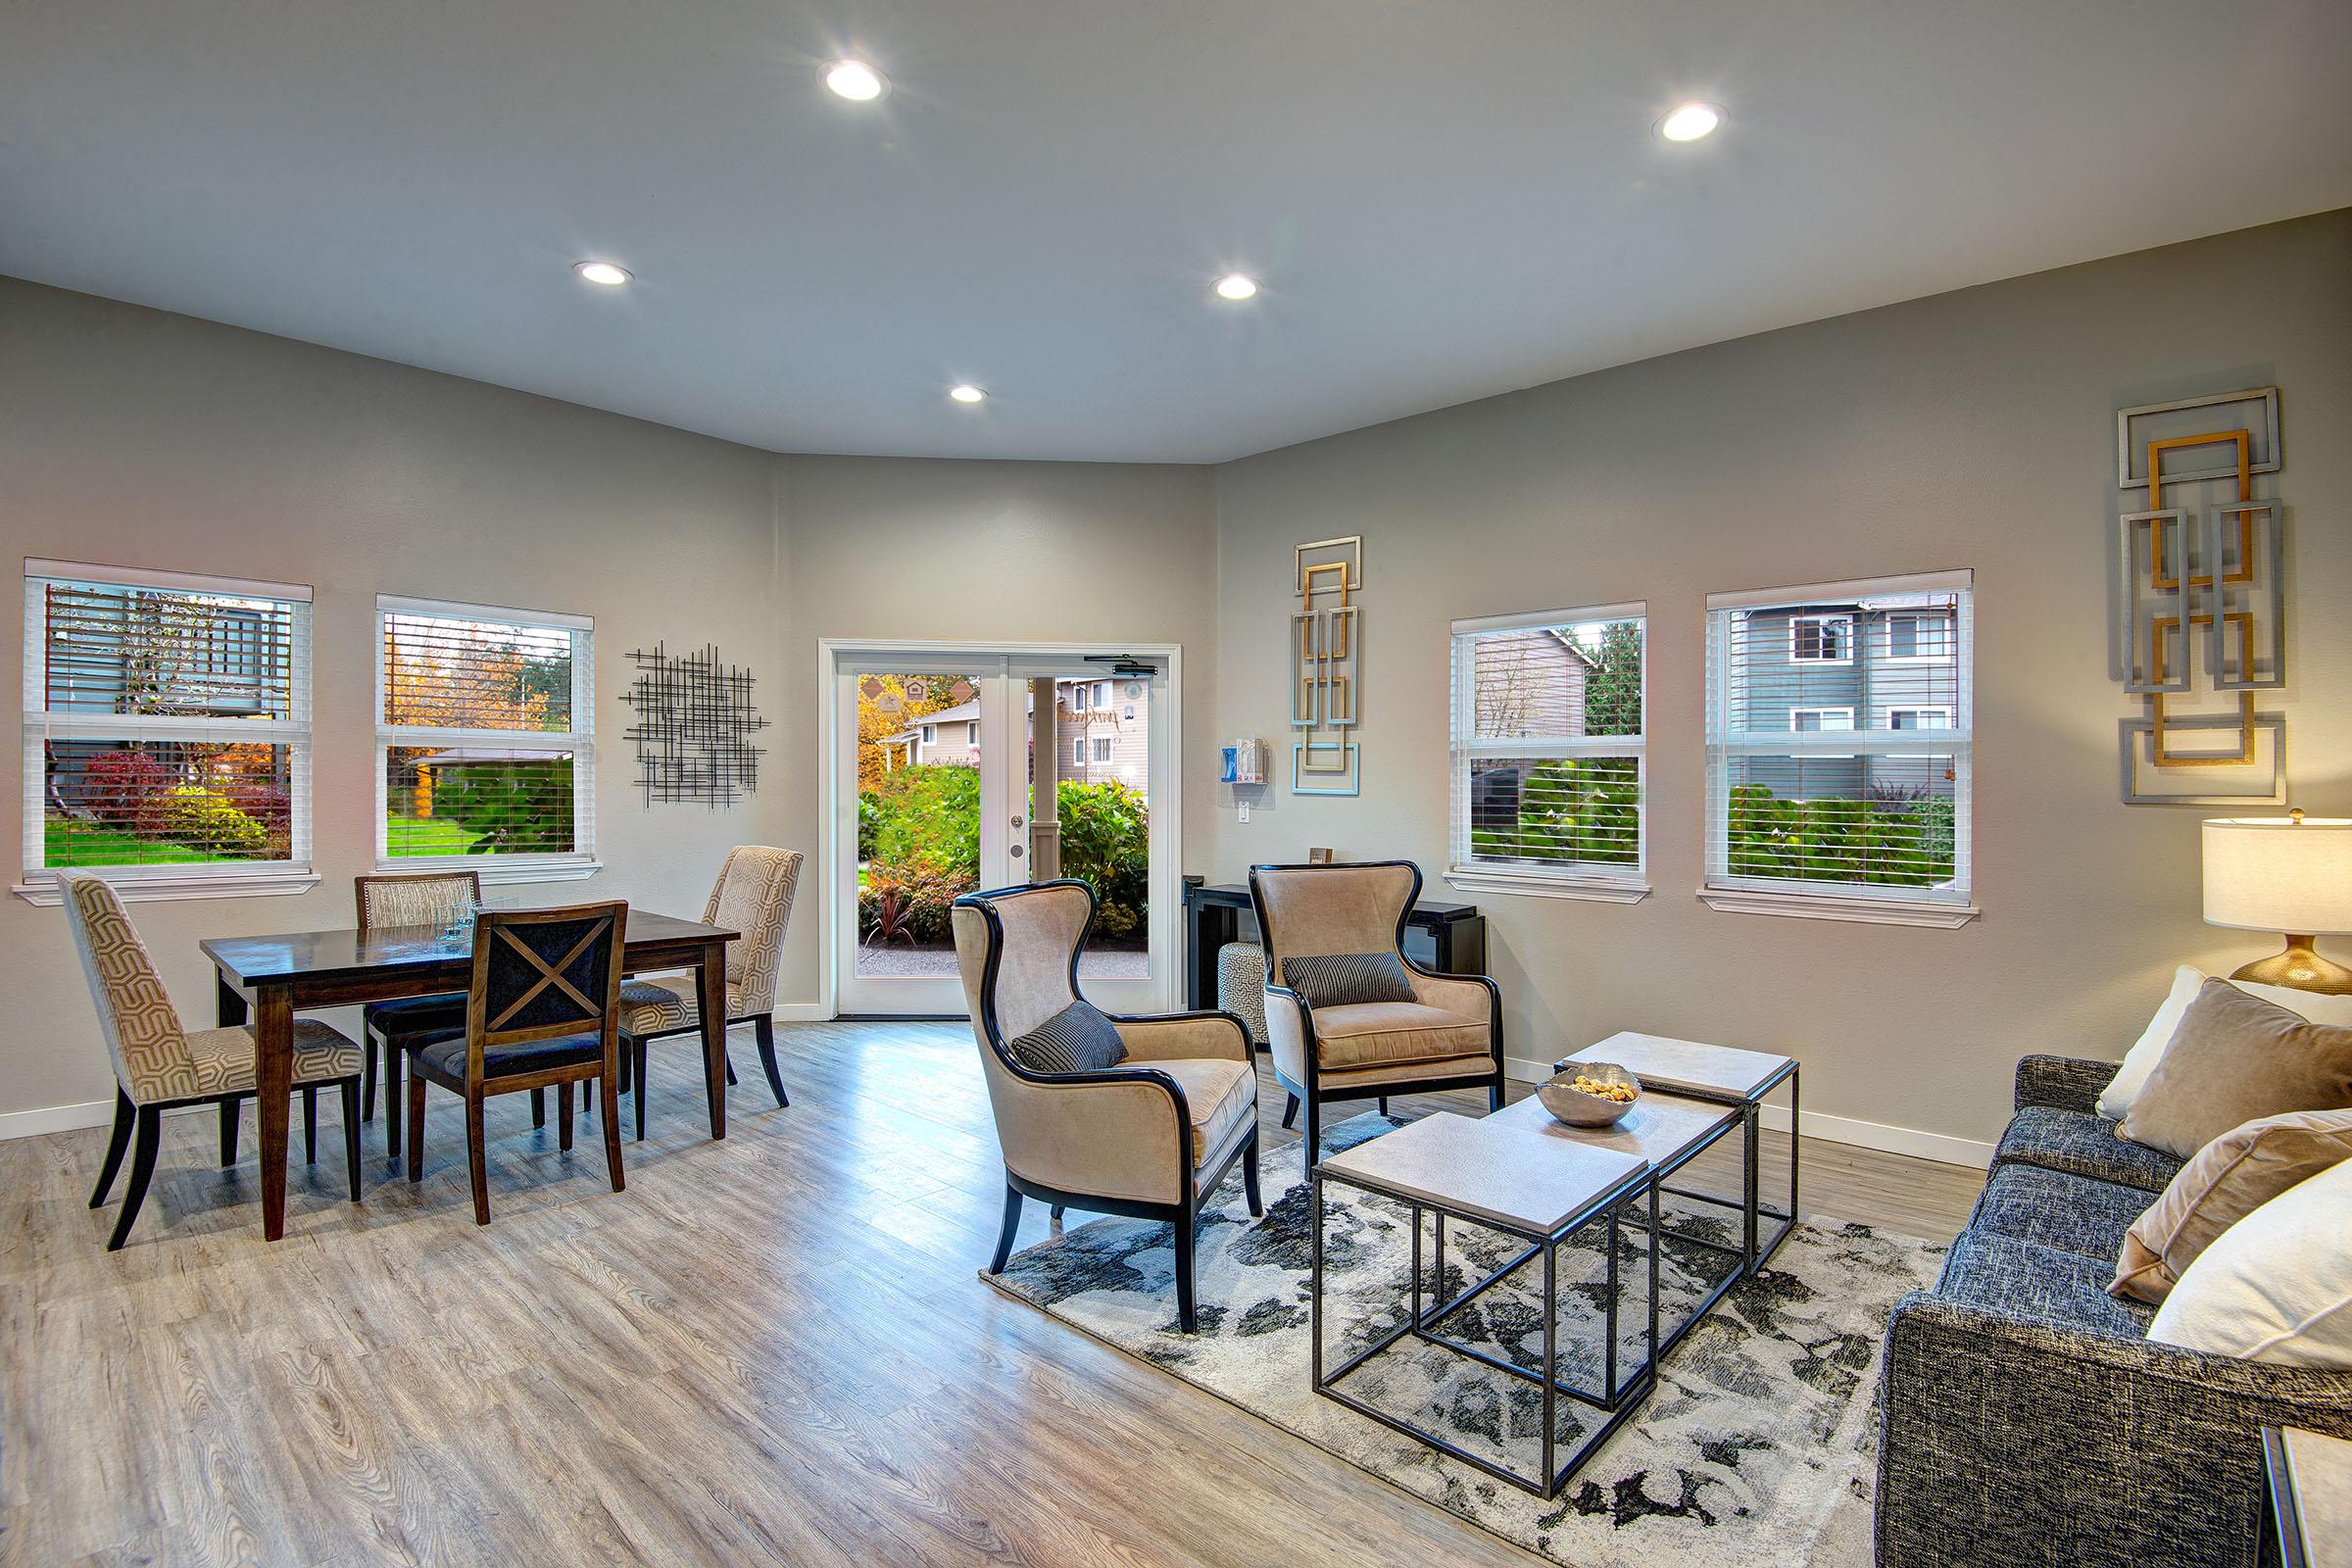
406	836
72	844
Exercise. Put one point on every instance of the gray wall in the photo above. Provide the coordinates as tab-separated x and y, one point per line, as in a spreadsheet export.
1020	551
1971	429
129	436
133	436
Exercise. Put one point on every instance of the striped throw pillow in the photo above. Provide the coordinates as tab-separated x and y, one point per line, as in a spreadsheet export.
1077	1039
1335	979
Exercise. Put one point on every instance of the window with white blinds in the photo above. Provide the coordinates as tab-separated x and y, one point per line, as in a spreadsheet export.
1837	749
1547	752
484	748
166	731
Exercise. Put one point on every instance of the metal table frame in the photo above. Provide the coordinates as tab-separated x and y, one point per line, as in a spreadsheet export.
1619	1396
1754	1249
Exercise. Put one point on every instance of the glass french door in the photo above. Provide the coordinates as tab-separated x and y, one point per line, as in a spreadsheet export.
942	755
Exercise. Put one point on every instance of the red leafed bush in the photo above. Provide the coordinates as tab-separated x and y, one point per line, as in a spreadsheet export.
127	787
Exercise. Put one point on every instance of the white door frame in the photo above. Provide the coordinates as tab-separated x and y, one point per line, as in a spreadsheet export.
837	807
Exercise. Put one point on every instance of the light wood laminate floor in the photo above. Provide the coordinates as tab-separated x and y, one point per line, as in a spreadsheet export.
768	1350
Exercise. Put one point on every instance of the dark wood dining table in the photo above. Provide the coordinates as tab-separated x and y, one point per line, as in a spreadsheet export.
306	970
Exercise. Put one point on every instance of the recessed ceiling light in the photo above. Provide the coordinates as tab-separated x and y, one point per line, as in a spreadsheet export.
1691	121
1237	286
605	273
855	81
966	392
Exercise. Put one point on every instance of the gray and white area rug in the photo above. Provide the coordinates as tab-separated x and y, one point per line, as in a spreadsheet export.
1754	1449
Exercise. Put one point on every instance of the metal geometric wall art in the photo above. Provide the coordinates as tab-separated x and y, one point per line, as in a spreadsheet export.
1326	646
694	729
2201	617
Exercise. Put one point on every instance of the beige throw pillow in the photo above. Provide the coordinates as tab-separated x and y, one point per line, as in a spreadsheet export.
2236	1057
2228	1179
2188	980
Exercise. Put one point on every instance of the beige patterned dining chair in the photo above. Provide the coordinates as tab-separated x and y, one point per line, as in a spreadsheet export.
429	900
1348	1016
753	896
159	1066
1150	1136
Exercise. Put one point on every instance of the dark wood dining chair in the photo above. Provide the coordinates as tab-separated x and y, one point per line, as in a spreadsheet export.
160	1066
430	900
543	1011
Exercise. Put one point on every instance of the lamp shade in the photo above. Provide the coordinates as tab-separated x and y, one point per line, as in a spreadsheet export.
2274	874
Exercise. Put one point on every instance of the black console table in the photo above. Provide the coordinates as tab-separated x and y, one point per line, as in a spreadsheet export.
1449	938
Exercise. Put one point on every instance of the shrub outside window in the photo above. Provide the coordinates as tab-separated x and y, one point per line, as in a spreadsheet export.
1547	754
485	753
166	732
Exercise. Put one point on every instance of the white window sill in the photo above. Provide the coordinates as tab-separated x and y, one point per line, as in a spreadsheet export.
1547	884
192	884
1822	906
494	871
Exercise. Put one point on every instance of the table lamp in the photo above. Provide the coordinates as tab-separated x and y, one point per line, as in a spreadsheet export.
2290	874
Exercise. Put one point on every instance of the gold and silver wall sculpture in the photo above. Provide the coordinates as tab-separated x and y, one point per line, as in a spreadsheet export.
1325	647
2201	618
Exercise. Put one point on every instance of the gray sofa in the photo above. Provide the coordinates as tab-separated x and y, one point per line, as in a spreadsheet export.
2023	1416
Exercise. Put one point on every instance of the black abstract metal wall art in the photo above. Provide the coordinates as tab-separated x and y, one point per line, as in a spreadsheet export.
694	729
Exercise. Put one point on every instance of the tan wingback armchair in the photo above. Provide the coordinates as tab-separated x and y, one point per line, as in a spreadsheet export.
1449	1036
1152	1137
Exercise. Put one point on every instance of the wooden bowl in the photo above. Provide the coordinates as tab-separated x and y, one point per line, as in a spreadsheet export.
1577	1108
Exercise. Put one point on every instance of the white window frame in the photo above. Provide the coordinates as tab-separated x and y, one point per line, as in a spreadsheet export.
140	884
930	734
1918	708
1949	637
1077	751
579	741
1103	750
1596	884
1946	906
1794	621
1824	729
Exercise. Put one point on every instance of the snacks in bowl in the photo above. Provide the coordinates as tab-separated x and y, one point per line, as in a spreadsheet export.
1589	1094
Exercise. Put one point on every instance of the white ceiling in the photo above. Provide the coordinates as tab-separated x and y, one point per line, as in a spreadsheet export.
1444	200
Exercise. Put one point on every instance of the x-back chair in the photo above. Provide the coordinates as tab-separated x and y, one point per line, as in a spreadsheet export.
1151	1137
159	1066
543	1009
1447	1036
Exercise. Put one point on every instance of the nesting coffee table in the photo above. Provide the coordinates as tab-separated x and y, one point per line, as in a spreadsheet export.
1521	1172
1721	1075
1493	1173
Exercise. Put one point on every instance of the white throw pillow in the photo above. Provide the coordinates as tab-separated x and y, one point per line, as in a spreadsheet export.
2140	1060
2276	1285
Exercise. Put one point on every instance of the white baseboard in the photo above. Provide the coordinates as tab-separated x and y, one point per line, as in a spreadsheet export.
101	1112
57	1119
71	1118
1942	1147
